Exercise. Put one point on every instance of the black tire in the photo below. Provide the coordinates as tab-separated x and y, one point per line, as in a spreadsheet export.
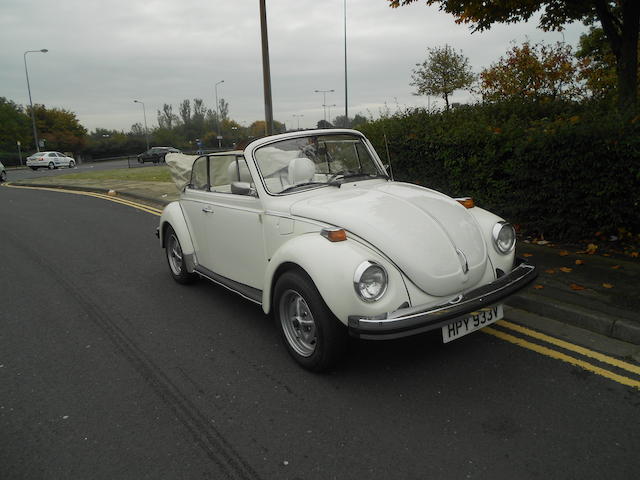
315	350
51	166
175	259
72	164
3	177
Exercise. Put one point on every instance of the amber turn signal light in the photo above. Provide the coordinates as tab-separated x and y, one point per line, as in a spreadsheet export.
466	202
337	235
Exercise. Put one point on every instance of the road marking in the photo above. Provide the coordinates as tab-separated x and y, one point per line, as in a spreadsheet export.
570	346
488	330
139	206
562	356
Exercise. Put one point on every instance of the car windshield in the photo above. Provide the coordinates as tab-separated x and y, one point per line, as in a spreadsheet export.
299	163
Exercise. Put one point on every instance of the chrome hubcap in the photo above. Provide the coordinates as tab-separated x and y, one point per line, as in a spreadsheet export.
298	324
174	255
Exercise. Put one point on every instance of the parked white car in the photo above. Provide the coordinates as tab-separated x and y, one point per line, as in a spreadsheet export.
49	160
310	226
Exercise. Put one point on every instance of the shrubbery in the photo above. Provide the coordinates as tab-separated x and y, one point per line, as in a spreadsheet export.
565	170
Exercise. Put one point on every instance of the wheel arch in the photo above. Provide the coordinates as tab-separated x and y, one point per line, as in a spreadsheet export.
330	266
172	216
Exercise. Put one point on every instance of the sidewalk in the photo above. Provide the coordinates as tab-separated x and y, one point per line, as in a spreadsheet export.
597	293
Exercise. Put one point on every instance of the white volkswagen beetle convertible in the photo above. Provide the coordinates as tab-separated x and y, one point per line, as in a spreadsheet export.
310	225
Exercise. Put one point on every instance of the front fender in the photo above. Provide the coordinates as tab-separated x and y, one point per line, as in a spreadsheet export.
331	266
174	216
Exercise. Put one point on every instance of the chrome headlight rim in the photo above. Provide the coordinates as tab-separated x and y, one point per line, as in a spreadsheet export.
495	234
357	278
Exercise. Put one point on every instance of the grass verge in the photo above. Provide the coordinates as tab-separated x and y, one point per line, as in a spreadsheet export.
146	174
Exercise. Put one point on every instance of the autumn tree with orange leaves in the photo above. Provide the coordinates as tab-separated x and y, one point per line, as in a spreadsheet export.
533	72
619	19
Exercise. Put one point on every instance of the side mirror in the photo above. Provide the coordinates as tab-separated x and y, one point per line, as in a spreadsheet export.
243	188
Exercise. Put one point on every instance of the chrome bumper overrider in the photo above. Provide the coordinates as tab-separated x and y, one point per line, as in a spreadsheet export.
413	320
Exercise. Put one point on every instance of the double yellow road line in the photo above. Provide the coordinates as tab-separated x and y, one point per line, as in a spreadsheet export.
104	196
532	340
598	363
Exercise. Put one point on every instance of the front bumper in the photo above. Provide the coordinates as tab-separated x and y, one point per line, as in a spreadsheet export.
413	320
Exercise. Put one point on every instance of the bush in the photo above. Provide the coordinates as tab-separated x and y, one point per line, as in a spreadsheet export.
564	170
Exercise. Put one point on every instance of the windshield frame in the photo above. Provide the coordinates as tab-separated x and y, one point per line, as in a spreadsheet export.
353	136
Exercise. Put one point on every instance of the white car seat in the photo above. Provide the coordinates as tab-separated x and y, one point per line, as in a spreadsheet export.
301	170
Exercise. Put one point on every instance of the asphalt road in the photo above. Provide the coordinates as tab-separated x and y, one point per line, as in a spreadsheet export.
14	175
110	370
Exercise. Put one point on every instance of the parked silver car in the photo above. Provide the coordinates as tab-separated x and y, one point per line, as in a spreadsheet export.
49	160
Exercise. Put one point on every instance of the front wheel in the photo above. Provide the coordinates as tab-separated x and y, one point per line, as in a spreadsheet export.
72	164
175	258
314	337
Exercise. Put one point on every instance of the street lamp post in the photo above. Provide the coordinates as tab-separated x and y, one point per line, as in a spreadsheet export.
346	99
215	87
33	117
324	100
329	109
298	117
266	69
146	130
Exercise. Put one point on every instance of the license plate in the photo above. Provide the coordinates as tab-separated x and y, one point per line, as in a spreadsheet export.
475	321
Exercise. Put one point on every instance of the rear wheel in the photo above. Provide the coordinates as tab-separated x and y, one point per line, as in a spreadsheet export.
314	337
3	176
175	258
51	166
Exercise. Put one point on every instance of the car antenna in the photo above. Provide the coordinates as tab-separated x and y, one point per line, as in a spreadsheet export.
386	146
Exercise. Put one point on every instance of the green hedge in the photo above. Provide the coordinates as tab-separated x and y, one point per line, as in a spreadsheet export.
562	170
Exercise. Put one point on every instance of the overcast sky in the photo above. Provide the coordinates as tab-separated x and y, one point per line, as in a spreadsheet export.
104	54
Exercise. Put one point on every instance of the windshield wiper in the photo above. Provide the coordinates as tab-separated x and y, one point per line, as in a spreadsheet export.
293	187
338	178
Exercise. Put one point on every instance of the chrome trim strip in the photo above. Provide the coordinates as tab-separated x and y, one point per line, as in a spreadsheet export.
245	291
412	320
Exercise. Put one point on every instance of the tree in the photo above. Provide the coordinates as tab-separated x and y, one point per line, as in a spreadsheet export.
533	72
60	129
598	64
620	21
16	126
341	121
167	119
259	128
441	73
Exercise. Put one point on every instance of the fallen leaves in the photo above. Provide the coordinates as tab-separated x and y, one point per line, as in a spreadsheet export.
527	255
538	287
579	262
550	271
563	253
566	269
576	287
615	267
607	285
592	248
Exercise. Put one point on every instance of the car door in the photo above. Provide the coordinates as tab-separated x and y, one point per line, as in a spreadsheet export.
226	226
62	159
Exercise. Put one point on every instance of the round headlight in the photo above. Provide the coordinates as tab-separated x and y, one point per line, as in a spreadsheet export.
504	237
370	281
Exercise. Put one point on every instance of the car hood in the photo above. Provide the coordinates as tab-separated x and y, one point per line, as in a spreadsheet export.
433	239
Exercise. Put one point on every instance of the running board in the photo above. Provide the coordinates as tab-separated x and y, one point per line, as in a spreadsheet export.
241	289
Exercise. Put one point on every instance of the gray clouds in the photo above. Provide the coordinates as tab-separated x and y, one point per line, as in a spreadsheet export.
104	54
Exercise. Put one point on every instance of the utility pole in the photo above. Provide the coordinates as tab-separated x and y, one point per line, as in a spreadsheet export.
266	71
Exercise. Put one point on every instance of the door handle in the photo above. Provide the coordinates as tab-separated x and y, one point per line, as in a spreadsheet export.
207	210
